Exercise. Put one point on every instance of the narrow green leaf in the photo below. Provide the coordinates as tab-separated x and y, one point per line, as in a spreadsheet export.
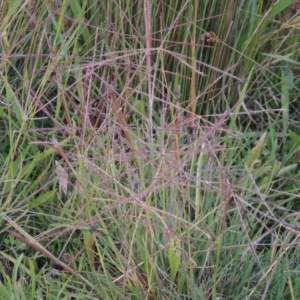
255	152
279	7
240	101
174	256
282	58
42	199
268	179
287	170
285	102
295	139
15	276
33	277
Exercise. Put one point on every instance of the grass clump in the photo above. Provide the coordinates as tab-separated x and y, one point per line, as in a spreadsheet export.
149	150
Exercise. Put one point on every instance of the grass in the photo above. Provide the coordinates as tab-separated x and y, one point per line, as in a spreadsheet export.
149	150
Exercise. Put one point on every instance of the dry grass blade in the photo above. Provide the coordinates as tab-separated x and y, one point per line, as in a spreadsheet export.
31	242
62	177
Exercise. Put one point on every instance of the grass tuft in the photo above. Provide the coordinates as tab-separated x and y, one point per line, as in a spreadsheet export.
149	150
